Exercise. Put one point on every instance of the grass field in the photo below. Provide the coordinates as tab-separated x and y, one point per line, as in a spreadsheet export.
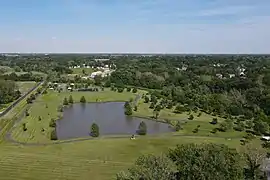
25	86
94	159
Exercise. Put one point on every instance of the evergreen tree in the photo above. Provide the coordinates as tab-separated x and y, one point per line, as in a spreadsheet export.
142	129
94	130
70	99
65	102
83	100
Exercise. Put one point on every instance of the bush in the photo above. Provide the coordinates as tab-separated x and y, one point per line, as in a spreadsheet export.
135	108
134	90
65	102
39	118
195	130
94	130
199	115
83	100
52	123
60	108
54	135
142	129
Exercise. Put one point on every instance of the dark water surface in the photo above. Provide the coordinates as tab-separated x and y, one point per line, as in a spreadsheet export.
110	117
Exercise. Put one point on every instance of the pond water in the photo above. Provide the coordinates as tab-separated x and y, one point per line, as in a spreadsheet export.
110	117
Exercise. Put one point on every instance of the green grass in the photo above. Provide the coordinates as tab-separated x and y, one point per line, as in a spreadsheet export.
25	86
79	70
93	159
100	158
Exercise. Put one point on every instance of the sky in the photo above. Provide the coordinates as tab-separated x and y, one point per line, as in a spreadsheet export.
135	26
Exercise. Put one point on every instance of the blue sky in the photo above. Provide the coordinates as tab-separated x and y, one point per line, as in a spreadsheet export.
150	26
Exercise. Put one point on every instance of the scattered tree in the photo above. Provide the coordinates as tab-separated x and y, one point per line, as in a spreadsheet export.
83	100
52	123
94	130
134	90
128	109
191	117
178	126
24	127
146	99
65	102
70	100
54	135
142	129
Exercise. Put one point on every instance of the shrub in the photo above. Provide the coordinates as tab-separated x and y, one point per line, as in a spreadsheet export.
142	129
70	100
39	118
60	108
29	100
199	115
53	135
52	123
195	130
65	102
134	90
94	130
83	100
135	108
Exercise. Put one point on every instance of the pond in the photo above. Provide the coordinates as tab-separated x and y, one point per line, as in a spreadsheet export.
78	118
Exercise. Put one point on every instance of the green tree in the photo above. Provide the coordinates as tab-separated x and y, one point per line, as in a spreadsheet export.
94	130
83	100
52	123
156	113
135	108
70	100
146	99
152	105
191	117
142	129
178	126
254	158
206	161
134	90
128	109
65	102
128	89
54	134
24	127
150	167
260	127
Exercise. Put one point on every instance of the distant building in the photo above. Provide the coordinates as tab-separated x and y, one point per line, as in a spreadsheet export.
102	59
220	76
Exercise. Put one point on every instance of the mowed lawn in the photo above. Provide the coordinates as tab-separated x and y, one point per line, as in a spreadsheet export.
98	159
46	107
